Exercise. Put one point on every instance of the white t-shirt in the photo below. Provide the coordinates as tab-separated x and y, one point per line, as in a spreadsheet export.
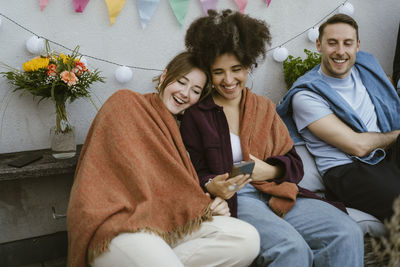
237	155
309	107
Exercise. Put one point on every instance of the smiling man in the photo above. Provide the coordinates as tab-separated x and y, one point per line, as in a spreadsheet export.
348	114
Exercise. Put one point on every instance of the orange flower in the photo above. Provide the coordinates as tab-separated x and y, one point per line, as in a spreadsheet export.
69	77
51	70
79	68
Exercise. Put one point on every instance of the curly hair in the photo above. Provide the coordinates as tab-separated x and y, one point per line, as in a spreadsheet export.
228	32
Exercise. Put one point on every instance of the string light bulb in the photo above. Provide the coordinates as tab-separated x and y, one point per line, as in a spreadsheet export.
313	34
123	74
347	8
35	45
280	54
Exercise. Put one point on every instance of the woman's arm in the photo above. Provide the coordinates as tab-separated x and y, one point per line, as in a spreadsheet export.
285	168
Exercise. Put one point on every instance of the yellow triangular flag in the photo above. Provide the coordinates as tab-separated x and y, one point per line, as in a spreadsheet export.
114	7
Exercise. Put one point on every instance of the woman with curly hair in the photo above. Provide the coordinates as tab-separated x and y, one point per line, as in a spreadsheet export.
232	125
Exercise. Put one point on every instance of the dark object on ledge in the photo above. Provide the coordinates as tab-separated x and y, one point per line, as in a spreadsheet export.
25	160
46	166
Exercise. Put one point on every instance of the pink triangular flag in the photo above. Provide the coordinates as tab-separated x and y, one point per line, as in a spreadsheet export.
241	4
268	2
208	4
43	4
80	5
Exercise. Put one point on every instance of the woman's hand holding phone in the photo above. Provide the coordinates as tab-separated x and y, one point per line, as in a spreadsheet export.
222	185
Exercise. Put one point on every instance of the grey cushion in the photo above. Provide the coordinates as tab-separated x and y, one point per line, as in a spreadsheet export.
312	181
368	223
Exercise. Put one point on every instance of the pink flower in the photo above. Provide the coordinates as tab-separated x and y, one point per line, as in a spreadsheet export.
79	68
51	70
69	77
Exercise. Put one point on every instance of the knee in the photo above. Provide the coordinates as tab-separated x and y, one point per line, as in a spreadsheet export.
350	232
348	236
345	241
289	250
251	241
293	245
247	246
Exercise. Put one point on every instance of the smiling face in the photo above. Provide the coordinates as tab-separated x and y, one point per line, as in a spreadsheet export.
184	92
229	76
338	47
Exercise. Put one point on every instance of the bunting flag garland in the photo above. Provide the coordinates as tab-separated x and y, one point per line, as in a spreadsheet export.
180	8
43	4
146	10
80	5
208	4
241	4
114	7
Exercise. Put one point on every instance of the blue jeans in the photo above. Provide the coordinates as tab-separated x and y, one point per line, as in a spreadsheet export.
313	233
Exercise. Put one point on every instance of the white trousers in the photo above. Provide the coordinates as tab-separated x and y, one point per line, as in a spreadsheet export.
225	241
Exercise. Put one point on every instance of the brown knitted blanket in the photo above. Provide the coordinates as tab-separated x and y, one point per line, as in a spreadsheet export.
263	134
133	174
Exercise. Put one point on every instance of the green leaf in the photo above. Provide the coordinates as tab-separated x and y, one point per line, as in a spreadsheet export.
293	68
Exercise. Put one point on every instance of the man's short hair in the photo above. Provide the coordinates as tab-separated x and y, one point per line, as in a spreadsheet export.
338	18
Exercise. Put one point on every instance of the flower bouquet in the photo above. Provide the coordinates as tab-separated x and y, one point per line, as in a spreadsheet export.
56	76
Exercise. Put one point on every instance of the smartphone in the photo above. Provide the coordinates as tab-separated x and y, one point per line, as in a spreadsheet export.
25	160
245	167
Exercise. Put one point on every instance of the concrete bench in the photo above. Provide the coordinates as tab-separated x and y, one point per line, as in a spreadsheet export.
33	200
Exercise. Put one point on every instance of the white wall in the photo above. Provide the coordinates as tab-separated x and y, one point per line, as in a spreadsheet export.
25	125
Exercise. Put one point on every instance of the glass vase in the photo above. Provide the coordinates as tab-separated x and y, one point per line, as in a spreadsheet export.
62	136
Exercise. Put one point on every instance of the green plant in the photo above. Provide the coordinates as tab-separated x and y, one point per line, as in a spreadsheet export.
293	67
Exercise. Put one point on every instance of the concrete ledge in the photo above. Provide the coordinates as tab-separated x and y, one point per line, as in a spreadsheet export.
47	166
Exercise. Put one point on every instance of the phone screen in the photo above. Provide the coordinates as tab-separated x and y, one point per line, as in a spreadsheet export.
245	167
